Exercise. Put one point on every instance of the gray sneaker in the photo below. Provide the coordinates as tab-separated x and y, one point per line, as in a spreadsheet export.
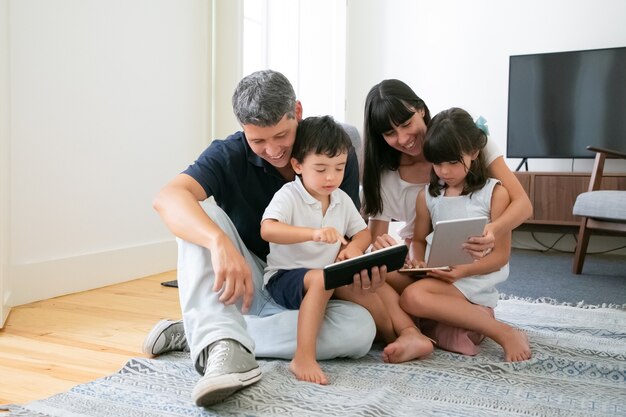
165	336
229	368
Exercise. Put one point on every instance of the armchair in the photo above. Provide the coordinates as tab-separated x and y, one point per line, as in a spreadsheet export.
599	209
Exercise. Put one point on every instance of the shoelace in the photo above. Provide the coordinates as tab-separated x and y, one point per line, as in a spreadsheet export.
178	341
218	355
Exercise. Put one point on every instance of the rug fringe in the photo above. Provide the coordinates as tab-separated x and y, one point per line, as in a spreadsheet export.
552	301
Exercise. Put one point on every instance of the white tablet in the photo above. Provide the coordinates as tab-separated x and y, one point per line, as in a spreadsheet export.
341	273
448	236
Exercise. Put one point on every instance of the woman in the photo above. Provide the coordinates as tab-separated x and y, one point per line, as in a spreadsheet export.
394	168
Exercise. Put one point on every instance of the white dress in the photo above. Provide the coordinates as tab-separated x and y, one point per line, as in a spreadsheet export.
479	289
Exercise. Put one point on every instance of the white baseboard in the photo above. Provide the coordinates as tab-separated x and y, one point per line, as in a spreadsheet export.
5	313
43	280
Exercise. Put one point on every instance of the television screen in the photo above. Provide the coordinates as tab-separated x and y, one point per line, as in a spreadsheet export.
560	103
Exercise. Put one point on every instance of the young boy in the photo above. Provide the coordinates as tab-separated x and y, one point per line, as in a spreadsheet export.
305	223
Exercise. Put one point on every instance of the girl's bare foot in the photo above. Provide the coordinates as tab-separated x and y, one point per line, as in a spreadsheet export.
516	346
411	344
307	370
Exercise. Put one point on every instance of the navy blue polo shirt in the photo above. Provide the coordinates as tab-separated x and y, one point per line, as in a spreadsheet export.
243	184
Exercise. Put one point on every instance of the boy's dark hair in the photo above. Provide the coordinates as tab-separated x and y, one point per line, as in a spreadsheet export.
320	135
388	103
452	133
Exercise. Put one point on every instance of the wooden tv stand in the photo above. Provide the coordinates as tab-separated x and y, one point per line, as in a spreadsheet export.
553	194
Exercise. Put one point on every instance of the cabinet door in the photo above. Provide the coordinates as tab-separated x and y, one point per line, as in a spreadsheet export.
555	196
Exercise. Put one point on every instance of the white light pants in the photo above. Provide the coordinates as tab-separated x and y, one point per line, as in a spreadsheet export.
268	330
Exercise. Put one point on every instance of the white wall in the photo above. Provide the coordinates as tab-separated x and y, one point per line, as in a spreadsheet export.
4	157
456	52
227	63
108	101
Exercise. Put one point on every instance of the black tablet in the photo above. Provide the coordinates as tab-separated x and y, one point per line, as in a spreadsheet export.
341	273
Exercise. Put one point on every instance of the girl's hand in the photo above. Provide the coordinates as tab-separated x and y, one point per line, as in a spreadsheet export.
328	235
409	263
383	241
454	274
480	246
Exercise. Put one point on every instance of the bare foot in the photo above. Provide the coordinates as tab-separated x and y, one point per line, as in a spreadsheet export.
516	346
307	370
411	344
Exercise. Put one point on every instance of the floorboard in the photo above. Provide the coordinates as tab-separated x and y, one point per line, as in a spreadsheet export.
49	346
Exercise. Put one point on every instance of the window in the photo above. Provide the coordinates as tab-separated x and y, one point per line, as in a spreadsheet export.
305	40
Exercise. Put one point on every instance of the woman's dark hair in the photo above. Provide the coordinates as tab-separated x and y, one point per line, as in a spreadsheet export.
451	134
320	136
389	103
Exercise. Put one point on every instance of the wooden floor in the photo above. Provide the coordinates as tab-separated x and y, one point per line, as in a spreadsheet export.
49	346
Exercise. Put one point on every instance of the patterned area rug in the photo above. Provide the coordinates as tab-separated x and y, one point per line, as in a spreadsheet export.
578	369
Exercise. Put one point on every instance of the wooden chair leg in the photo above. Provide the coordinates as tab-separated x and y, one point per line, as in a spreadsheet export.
581	247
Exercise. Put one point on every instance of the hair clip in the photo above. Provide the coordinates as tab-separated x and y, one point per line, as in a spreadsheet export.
481	123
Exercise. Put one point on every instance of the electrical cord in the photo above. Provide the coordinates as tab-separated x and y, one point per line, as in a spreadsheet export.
552	246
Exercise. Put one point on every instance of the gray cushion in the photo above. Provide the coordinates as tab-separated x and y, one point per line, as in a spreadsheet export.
355	138
606	205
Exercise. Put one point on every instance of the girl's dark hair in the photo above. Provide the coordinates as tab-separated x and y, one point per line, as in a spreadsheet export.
451	134
320	135
389	103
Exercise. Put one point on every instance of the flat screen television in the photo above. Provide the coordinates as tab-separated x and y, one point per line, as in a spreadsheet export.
560	103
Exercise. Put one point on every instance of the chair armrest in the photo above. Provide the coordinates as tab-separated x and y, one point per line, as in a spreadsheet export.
609	152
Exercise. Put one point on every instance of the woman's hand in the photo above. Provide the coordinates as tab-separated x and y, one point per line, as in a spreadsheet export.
383	241
480	246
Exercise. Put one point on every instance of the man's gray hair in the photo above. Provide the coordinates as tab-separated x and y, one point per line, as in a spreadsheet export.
263	98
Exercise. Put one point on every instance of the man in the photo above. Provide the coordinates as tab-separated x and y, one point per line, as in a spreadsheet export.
221	256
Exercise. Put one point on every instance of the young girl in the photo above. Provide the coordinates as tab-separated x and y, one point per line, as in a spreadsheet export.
305	223
459	187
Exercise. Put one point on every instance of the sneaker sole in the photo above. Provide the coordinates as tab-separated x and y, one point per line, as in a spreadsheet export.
154	334
215	390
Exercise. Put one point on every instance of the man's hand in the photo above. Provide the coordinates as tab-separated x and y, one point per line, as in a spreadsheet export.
233	276
371	281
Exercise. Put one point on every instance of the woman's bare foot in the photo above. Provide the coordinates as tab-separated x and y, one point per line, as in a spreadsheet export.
411	344
516	346
307	370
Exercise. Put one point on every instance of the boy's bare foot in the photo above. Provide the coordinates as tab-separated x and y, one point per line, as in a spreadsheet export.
516	346
411	344
307	370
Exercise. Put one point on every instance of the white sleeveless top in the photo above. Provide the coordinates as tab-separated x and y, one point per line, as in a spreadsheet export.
479	289
399	196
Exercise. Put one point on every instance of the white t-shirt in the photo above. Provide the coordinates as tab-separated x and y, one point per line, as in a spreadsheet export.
399	196
293	205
